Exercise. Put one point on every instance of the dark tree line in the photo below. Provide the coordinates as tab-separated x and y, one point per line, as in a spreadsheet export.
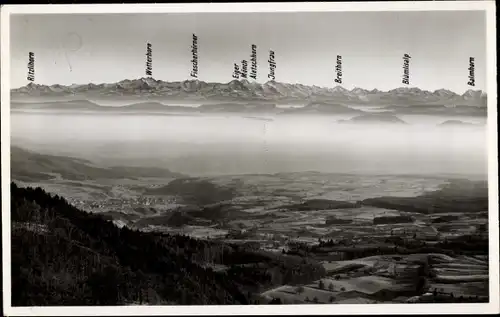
470	244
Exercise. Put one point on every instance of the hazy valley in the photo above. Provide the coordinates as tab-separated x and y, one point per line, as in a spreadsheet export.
369	235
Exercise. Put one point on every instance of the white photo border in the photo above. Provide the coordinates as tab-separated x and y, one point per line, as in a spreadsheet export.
318	309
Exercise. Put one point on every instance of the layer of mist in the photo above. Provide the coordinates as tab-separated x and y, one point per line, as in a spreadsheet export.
221	144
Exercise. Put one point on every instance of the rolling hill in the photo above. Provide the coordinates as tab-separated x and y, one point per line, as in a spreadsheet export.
375	118
31	166
322	108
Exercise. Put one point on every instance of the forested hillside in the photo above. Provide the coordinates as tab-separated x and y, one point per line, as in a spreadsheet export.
64	256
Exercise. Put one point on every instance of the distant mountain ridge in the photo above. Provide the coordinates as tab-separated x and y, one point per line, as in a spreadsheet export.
376	118
249	91
31	166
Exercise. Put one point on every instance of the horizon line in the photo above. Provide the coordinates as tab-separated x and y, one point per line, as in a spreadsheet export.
249	81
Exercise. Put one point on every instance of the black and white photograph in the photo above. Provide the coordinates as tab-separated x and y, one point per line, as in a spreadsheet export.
219	155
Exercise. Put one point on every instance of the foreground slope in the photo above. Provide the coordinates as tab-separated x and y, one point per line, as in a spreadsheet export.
64	256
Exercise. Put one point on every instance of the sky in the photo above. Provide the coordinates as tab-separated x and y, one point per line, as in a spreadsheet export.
79	49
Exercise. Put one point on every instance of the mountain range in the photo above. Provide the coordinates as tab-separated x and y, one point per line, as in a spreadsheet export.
244	90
